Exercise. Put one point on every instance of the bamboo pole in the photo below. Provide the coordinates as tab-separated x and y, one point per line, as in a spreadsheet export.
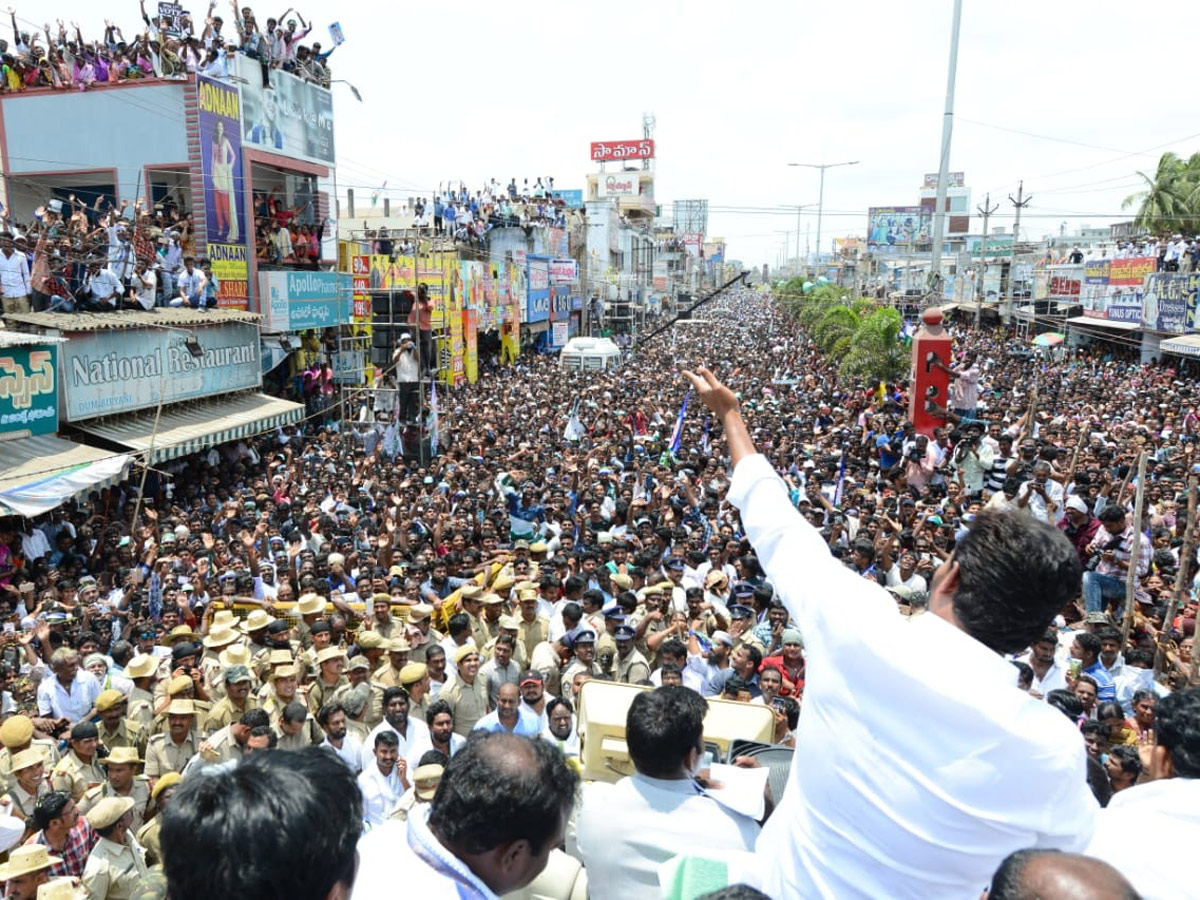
1135	550
1181	578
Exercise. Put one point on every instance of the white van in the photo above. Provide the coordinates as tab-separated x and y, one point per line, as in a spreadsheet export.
590	354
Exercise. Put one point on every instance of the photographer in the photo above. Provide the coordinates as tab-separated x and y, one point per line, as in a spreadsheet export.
973	460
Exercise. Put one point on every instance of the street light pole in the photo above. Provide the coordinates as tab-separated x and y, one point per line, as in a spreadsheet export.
821	196
939	211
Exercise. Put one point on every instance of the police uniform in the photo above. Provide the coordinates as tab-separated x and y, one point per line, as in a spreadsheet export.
128	734
224	713
387	629
139	791
533	633
574	667
162	726
417	653
149	837
163	755
21	803
141	708
114	871
468	702
479	630
386	676
309	735
319	693
75	776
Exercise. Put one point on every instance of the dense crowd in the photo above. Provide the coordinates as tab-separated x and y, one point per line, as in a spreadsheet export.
166	47
302	589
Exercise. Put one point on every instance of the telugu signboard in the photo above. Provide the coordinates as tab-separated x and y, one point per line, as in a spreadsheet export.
564	271
106	372
221	165
953	179
1131	272
605	151
302	301
294	117
28	391
619	184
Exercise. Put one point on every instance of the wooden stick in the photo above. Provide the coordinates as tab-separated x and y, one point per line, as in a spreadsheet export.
1131	577
1182	578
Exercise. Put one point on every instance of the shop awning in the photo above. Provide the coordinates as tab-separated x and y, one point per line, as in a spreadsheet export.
189	428
42	472
1185	345
1105	323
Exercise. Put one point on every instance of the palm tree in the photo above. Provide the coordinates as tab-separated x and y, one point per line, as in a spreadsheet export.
835	329
874	352
1164	204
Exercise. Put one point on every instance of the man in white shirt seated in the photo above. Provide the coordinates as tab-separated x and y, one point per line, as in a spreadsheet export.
1168	803
628	830
384	782
911	781
500	810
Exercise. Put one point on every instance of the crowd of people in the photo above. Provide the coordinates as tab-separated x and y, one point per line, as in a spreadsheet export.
167	46
959	597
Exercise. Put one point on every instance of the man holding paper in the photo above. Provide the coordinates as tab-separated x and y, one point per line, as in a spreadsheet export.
919	764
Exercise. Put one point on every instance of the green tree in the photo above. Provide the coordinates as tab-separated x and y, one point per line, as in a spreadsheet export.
1171	198
874	352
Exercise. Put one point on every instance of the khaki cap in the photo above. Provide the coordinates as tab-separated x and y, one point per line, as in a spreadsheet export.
181	707
381	598
491	599
426	780
30	756
26	859
168	780
470	592
16	731
258	618
310	605
288	671
108	699
412	673
221	636
419	611
398	645
464	651
503	582
179	633
108	811
624	582
122	755
370	640
179	684
279	658
141	666
235	655
359	662
330	653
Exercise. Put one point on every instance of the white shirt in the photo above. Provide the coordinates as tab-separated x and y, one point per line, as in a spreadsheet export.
1170	806
350	752
58	702
626	831
420	747
1055	678
14	274
1037	506
380	793
416	731
875	807
691	679
404	858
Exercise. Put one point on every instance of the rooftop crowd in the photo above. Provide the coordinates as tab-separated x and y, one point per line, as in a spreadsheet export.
972	704
62	58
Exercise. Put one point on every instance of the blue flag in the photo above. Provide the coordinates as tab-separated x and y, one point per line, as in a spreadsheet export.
677	435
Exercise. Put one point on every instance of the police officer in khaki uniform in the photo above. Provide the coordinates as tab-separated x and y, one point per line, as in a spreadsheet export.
382	622
330	661
115	729
28	782
388	675
632	666
170	752
296	728
532	629
420	631
467	696
373	647
414	678
148	834
142	670
79	770
284	680
309	607
471	601
236	702
123	781
117	863
16	734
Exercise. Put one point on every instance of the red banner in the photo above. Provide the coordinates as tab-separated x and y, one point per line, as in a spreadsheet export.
605	151
1132	272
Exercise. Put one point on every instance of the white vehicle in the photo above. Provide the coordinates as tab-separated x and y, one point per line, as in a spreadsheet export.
590	354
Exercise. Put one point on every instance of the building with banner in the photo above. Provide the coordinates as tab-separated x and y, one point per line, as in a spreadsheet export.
237	156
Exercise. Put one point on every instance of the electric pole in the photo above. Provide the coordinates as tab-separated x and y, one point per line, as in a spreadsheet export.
986	211
1020	203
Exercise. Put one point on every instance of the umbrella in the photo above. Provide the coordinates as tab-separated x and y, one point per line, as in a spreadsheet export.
1049	339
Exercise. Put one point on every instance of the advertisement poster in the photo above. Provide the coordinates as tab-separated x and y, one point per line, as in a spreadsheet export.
898	225
471	342
28	391
224	214
537	304
294	117
1169	303
1131	272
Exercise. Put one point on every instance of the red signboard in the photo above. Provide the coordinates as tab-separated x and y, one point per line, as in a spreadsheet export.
1064	286
1131	272
605	151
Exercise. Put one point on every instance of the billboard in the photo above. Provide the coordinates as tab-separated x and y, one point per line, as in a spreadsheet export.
605	151
1169	303
28	391
293	117
1131	272
953	179
537	291
564	271
220	124
1096	271
303	300
106	372
619	184
659	274
898	226
573	199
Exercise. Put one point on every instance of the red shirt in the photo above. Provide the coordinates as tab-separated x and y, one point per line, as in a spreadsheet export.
795	677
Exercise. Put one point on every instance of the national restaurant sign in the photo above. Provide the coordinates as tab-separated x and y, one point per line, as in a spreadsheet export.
607	151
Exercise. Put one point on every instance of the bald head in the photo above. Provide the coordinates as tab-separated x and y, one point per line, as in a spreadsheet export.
1051	875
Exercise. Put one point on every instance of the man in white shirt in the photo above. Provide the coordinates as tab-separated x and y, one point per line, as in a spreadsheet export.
384	781
1042	494
627	831
144	284
1049	667
14	276
332	719
102	289
190	282
492	834
910	782
70	696
397	721
1167	804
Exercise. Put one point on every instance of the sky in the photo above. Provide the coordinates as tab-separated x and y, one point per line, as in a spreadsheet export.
1056	93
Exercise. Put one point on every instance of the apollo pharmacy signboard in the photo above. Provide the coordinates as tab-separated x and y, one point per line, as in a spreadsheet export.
301	301
106	372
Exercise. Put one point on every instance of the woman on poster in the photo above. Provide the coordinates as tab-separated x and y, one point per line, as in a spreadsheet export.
223	161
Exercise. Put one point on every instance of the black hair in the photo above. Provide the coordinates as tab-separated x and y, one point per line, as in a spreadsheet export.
734	684
673	647
387	738
255	718
49	807
328	711
391	693
1111	513
500	788
280	826
662	727
1091	726
1177	728
754	653
1129	758
433	758
265	731
571	613
1014	575
436	708
294	712
1139	696
556	702
460	623
1108	709
1066	703
735	892
1024	672
1089	643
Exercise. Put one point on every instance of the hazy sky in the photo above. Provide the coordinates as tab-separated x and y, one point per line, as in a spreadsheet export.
1056	92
